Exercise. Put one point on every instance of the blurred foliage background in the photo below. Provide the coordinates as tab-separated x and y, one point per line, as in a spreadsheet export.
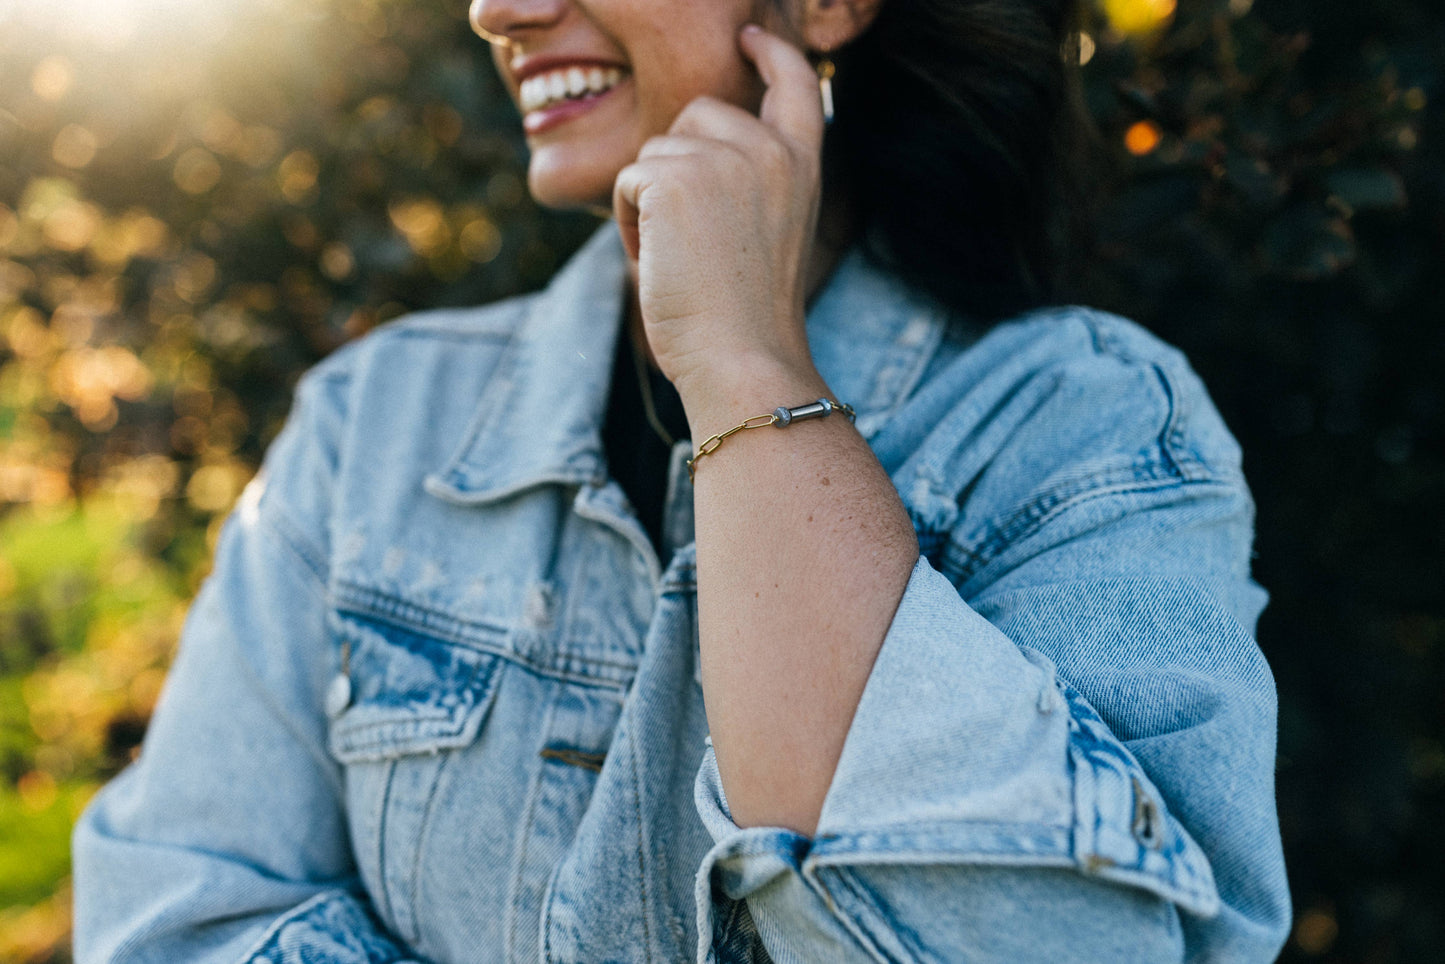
197	201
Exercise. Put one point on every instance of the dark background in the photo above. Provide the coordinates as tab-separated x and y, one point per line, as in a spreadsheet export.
195	206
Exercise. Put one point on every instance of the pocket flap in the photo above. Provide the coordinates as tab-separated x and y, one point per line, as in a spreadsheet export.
410	693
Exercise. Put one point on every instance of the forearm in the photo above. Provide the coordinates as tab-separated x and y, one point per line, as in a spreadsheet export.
803	552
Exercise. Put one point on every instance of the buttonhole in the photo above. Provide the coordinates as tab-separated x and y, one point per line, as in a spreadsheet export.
1148	829
576	758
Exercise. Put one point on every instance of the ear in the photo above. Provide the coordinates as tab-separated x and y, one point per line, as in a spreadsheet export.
831	24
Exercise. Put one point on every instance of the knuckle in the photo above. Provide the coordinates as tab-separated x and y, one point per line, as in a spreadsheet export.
652	145
775	155
693	115
702	104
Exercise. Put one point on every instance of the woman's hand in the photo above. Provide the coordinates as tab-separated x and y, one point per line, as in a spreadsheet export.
718	216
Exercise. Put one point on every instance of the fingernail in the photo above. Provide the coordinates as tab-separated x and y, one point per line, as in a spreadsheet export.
752	28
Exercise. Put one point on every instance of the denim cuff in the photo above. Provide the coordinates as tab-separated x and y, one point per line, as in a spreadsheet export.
333	927
965	749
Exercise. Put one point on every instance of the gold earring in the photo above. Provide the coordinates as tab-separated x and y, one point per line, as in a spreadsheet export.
826	70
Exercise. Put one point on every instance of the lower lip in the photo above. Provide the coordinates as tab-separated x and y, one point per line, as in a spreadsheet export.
540	121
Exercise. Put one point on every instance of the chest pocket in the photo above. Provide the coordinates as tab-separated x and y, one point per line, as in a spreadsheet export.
408	693
467	772
406	701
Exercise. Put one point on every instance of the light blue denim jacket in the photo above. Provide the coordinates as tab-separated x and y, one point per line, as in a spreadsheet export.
439	701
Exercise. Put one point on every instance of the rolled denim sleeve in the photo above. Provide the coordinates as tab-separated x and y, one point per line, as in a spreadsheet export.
226	840
985	809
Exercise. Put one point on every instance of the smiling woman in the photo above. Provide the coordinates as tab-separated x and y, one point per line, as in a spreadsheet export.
937	648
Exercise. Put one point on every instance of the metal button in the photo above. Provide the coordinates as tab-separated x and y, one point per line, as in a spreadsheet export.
338	694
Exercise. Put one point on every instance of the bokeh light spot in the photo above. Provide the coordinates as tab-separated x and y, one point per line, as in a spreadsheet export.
135	234
143	482
1316	931
52	78
1142	138
298	173
197	171
221	132
74	146
214	488
193	277
337	262
480	240
90	380
9	227
71	225
1136	17
37	791
422	222
27	334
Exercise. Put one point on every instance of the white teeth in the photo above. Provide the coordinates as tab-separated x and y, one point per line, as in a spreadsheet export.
544	90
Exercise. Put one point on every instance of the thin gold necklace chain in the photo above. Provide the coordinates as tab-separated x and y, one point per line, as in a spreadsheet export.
645	384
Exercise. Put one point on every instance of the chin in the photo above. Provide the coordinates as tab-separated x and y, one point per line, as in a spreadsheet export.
563	186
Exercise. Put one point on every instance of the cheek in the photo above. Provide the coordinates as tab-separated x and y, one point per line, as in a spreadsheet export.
714	68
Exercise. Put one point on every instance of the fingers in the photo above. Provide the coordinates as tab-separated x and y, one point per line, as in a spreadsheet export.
710	117
720	141
626	200
678	145
666	165
791	104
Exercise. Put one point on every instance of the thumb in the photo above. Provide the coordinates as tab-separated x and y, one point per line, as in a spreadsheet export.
790	104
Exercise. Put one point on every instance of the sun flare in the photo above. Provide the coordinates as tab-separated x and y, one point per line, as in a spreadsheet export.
118	23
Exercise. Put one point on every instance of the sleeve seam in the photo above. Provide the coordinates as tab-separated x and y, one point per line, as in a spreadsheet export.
288	535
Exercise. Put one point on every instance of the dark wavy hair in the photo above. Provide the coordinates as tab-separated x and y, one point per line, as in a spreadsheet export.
960	136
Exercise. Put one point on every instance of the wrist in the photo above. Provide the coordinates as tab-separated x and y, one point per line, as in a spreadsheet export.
722	395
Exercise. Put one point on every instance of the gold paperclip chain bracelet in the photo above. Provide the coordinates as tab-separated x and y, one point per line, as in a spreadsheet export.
782	417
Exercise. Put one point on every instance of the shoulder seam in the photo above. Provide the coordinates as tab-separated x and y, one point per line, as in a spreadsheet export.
962	562
276	523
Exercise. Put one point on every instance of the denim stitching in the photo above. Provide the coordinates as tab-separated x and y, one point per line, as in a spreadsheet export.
280	525
534	793
963	562
641	863
864	901
381	839
362	603
426	823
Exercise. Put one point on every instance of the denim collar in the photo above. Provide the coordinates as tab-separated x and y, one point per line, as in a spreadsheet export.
540	417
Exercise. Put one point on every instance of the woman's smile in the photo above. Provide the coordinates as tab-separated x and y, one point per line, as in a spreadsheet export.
566	83
594	79
552	89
